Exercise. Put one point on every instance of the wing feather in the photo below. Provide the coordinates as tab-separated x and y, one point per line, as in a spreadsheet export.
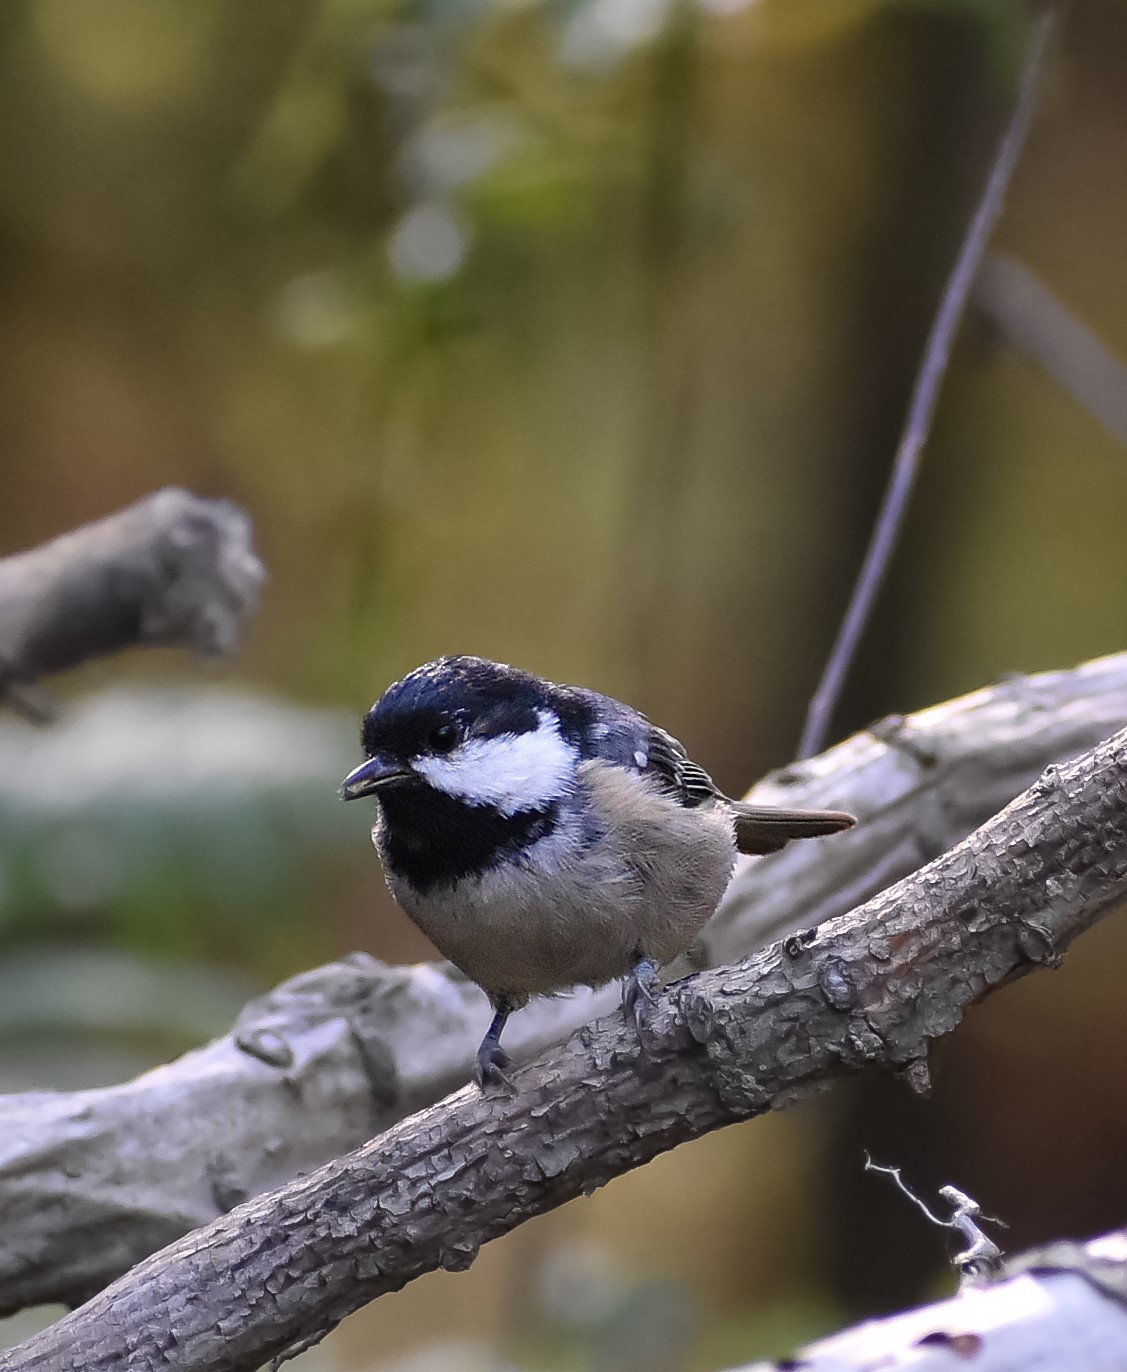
667	761
759	828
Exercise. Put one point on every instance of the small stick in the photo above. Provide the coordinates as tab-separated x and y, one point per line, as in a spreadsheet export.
981	1257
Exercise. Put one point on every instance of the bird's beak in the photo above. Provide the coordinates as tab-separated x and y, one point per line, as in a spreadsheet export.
371	777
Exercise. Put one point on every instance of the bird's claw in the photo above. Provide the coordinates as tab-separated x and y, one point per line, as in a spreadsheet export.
638	991
489	1066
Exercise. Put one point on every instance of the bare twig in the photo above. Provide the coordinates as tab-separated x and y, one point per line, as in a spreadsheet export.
171	570
1036	321
93	1181
981	1257
870	990
936	353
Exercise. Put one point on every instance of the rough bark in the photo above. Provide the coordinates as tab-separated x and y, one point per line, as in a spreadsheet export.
171	570
868	990
93	1181
1062	1308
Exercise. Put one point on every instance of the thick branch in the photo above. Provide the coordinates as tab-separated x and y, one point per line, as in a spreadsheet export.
93	1181
871	989
172	570
1060	1309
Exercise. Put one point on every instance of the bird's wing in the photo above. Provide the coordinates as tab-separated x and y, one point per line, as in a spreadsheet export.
759	829
676	772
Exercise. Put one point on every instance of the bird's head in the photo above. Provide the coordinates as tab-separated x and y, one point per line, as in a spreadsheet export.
477	731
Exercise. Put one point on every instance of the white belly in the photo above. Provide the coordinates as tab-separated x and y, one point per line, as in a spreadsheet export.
567	914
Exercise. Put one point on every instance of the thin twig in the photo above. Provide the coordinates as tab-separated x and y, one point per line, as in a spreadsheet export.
1034	320
932	369
894	1173
982	1258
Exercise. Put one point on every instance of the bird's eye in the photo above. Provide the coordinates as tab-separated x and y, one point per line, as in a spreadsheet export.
442	737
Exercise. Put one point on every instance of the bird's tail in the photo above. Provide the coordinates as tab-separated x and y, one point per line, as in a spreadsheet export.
760	829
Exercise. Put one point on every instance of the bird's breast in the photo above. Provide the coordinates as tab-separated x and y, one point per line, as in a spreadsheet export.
615	870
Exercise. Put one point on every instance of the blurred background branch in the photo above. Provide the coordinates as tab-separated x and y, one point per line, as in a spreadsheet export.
872	990
1034	320
92	1181
172	570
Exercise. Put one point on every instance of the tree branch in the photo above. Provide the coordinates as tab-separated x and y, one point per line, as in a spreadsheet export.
1034	320
93	1181
869	990
1059	1308
171	570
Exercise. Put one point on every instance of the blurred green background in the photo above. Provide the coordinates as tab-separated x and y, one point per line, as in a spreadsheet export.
576	333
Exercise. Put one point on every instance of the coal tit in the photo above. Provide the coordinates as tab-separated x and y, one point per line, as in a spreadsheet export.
546	836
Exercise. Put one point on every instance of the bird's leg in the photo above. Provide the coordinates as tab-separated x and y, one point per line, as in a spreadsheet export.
638	988
491	1057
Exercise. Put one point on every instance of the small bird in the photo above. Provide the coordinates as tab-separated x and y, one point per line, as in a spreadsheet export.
547	836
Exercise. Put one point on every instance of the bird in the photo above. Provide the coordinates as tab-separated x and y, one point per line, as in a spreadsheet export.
545	836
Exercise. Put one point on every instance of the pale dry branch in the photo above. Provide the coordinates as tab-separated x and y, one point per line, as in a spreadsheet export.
171	570
869	990
1062	1308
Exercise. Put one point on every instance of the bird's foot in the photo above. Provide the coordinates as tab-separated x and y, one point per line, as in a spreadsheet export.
491	1057
638	991
490	1064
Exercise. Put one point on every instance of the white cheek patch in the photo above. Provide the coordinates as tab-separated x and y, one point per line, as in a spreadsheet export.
511	772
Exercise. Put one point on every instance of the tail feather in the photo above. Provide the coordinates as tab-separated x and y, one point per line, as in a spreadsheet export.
760	829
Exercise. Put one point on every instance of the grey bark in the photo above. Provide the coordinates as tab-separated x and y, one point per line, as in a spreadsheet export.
1062	1308
93	1181
869	990
172	570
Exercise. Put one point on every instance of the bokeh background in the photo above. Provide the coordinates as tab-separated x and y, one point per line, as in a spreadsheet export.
576	333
